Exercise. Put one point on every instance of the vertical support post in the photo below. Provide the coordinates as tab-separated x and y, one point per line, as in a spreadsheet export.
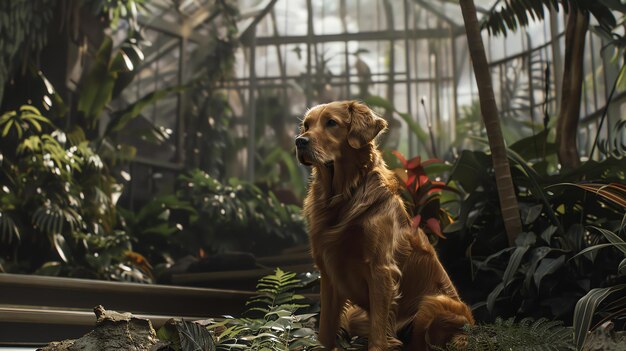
180	122
436	116
455	85
252	107
557	57
309	41
531	92
611	71
407	64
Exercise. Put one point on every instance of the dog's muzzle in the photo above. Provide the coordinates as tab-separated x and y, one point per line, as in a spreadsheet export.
302	142
303	151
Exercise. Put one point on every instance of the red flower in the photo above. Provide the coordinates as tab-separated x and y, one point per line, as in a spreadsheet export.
424	192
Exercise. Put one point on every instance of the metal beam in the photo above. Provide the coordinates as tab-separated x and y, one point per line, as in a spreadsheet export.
246	36
174	29
360	36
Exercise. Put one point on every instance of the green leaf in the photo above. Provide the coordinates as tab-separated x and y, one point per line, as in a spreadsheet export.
61	247
536	189
97	87
121	118
585	310
597	247
470	170
534	147
613	238
194	337
7	128
546	267
533	213
514	262
169	332
493	295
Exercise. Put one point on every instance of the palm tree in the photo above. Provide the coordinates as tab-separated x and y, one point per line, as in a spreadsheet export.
504	182
571	90
518	13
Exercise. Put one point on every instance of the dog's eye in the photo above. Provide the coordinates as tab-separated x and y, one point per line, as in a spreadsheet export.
305	126
331	123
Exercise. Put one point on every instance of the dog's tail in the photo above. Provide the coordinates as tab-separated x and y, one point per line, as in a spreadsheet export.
356	322
439	320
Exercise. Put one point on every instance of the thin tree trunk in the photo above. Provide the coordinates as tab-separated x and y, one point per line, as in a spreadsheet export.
504	182
571	90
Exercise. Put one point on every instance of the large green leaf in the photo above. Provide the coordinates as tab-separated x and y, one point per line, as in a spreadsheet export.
535	146
471	169
97	87
493	296
8	229
547	267
613	238
194	337
585	310
279	155
62	247
514	263
121	118
614	192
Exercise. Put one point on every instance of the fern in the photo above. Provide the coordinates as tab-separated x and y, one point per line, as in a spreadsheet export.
278	326
276	290
541	334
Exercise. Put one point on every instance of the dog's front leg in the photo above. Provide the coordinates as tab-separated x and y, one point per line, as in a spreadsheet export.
382	291
331	308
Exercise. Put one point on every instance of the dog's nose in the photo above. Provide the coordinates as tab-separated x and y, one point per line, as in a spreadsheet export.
302	142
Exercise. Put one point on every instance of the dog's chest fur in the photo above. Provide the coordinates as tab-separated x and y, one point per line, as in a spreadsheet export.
339	244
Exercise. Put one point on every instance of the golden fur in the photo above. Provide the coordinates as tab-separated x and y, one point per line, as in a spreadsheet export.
379	275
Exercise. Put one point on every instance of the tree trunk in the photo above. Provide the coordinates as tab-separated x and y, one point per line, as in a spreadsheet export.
571	90
504	182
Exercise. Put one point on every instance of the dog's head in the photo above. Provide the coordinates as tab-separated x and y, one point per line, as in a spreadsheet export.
330	131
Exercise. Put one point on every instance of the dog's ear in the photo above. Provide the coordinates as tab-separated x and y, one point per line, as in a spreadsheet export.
364	124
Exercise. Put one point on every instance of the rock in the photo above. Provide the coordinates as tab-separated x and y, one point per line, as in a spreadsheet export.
605	338
113	331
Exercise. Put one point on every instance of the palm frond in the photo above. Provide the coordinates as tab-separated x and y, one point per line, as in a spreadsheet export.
51	218
510	15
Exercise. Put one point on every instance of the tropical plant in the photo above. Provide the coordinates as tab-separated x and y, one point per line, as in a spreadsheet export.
58	204
238	216
155	228
422	195
27	25
23	25
284	320
516	13
205	217
538	271
182	335
279	325
593	306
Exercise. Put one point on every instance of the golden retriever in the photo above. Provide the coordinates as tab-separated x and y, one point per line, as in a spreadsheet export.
379	275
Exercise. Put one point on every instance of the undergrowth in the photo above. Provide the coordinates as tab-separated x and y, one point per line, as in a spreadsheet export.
508	335
279	319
